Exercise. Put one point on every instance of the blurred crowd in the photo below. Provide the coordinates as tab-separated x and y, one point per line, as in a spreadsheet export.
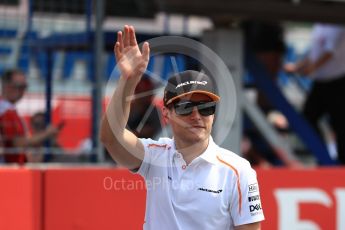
323	64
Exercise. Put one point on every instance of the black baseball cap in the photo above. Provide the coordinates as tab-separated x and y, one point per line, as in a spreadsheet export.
186	83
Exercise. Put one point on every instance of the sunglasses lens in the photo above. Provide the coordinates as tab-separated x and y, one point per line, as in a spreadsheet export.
20	86
207	108
184	108
207	111
204	108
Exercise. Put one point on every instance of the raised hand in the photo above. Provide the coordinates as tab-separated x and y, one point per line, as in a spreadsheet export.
131	62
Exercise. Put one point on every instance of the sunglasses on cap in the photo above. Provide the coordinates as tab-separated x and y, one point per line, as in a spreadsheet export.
185	108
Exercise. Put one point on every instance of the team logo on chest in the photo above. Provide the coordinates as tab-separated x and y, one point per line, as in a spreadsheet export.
210	190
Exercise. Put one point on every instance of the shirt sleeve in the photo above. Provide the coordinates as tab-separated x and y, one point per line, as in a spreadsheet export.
246	202
333	38
145	164
155	158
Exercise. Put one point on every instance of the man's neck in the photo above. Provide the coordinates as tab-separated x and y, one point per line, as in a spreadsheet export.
190	151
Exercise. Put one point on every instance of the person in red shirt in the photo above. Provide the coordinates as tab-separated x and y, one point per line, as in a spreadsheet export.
14	134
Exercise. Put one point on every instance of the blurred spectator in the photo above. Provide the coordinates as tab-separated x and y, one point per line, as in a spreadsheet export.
144	120
1	149
265	40
38	126
13	130
324	64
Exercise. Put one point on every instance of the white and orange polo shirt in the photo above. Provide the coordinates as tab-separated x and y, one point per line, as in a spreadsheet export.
217	190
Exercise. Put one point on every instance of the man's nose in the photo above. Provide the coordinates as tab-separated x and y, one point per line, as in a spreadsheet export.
195	113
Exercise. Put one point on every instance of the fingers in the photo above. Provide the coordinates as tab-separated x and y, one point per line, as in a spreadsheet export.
120	39
127	36
118	48
132	38
129	39
290	68
61	125
146	51
117	51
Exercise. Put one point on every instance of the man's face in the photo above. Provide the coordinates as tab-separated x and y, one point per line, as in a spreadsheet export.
15	90
191	128
38	123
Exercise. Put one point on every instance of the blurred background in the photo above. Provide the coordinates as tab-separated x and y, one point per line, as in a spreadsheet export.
65	51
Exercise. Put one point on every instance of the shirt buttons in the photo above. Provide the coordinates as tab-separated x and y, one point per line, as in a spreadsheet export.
184	167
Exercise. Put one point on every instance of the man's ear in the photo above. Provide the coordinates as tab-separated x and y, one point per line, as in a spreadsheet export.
166	115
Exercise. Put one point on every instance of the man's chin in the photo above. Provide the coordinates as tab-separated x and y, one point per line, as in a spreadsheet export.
196	138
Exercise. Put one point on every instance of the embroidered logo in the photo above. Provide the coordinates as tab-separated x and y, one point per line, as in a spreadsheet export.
210	190
191	82
254	198
253	188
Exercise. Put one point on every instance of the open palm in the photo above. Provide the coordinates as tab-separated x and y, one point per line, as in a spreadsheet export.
131	62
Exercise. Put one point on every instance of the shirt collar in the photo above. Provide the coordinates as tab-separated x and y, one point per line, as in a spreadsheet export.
210	153
6	105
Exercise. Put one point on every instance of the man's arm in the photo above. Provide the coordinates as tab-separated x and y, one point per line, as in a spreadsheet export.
11	131
252	226
313	66
306	67
124	147
37	139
